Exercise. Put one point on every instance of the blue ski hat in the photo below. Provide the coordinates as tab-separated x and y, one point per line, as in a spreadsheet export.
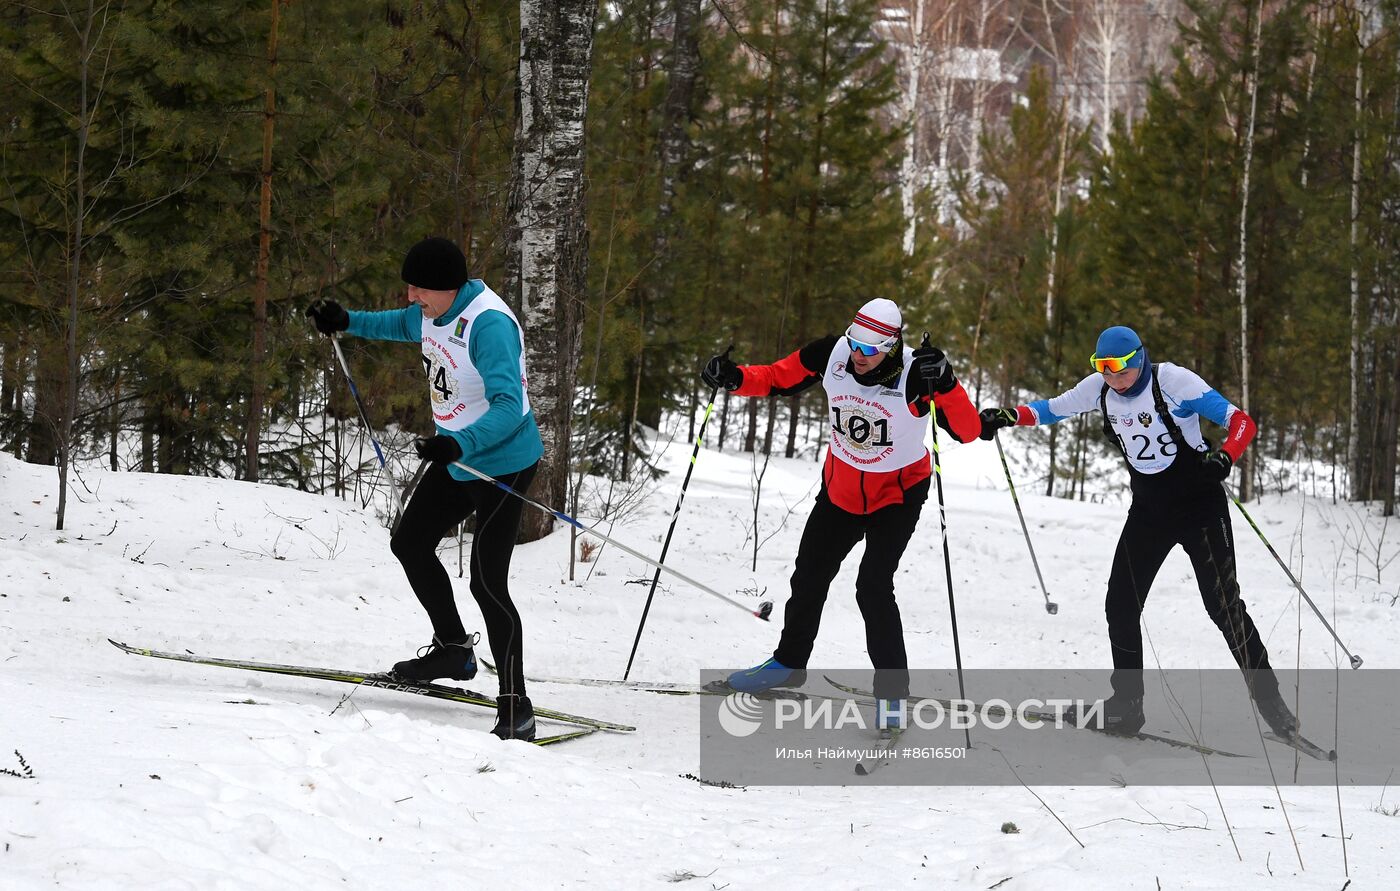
1120	340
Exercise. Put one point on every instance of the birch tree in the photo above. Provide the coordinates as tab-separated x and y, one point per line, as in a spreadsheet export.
547	255
1358	482
987	72
1241	276
1103	38
909	172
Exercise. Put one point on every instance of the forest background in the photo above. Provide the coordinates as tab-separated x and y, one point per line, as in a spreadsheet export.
651	181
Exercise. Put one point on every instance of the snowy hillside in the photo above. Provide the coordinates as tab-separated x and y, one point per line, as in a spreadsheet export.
153	774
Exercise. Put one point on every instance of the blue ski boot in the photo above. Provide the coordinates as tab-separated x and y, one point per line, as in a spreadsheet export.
765	676
890	717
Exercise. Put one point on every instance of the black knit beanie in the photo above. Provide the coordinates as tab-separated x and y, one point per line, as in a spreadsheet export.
436	264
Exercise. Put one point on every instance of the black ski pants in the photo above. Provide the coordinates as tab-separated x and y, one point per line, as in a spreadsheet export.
439	503
827	539
1195	517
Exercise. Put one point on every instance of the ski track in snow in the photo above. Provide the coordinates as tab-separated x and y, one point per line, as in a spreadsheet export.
152	774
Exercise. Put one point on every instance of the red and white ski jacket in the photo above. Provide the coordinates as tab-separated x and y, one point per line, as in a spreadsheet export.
857	433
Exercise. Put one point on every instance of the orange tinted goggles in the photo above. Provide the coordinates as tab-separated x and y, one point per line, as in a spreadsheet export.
1111	364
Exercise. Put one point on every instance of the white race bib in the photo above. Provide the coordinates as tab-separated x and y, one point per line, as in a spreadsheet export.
458	393
872	428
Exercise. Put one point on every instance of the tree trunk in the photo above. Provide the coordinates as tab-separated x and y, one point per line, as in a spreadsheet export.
723	421
1308	92
1388	457
814	201
752	434
1104	22
69	407
148	441
115	432
909	172
547	255
794	415
674	140
768	429
1055	221
694	405
979	101
12	403
629	429
10	373
49	389
258	394
1252	86
1353	462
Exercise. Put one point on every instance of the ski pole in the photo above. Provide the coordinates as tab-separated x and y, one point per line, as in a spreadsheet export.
765	609
943	527
1051	606
675	514
1355	660
408	495
369	431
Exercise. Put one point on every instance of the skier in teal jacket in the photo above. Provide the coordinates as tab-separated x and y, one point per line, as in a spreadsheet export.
474	359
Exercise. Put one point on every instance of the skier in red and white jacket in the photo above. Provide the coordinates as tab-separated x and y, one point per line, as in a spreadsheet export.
874	482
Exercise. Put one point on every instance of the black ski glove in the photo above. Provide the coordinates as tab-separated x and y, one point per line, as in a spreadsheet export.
1216	464
721	371
993	419
328	316
931	369
437	449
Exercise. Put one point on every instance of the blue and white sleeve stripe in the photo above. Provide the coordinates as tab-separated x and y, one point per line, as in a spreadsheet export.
1192	393
1083	397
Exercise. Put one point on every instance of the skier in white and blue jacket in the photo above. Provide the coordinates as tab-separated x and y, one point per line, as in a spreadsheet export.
1152	413
474	358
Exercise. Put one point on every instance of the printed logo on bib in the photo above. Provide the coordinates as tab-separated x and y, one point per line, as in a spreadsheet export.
458	332
442	381
861	429
838	370
1145	419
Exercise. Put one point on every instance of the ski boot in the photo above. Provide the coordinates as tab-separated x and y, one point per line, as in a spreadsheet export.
1277	715
440	660
1123	715
515	718
765	676
890	717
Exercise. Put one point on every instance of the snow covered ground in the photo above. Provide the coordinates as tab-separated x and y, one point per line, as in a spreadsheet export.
153	774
